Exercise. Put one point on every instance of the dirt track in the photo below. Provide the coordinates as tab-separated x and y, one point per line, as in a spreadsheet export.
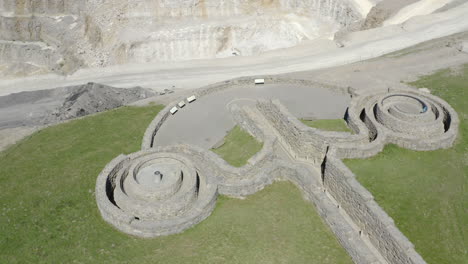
312	56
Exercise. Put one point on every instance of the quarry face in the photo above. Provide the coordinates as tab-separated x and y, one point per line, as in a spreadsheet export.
61	36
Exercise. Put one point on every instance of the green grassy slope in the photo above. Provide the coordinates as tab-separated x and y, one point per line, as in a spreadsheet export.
426	192
49	213
239	146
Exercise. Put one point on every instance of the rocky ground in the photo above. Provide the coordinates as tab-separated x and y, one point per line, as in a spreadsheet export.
62	36
45	107
382	11
25	112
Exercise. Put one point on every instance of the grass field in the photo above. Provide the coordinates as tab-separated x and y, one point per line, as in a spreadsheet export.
328	124
239	146
426	192
49	214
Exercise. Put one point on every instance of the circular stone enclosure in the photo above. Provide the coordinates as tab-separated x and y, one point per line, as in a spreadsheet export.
151	193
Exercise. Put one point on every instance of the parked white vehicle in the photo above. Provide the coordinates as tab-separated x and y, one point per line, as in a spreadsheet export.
174	110
259	81
181	104
191	98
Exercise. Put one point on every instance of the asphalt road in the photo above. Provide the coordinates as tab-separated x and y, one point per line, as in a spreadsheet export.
207	120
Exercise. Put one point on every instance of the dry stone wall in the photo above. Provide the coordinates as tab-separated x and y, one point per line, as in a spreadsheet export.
146	210
409	119
429	123
188	198
310	158
262	169
293	134
372	221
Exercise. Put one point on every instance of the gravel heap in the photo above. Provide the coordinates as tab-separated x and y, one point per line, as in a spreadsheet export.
44	107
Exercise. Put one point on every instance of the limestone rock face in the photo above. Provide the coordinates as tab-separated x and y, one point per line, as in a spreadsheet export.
61	36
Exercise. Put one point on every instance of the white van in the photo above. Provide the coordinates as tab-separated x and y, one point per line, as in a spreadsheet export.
259	81
191	98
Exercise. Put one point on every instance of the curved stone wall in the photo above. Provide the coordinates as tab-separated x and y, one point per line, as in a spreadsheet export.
408	118
153	193
262	169
308	157
378	119
159	120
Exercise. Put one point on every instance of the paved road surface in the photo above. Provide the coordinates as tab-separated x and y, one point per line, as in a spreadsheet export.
206	121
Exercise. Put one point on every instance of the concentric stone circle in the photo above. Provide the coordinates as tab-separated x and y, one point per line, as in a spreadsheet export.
156	177
411	114
152	193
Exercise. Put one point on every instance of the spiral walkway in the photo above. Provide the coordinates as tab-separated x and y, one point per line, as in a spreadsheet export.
152	193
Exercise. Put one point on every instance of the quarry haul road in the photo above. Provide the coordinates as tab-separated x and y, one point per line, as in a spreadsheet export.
317	55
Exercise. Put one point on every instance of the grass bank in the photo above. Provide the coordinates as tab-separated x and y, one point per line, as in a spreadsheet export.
426	192
238	147
49	213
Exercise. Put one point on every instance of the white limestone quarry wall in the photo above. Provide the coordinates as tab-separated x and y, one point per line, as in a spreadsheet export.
41	7
422	7
244	37
172	31
342	11
95	33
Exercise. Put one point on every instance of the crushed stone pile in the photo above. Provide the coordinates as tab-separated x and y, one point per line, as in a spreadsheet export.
93	98
44	107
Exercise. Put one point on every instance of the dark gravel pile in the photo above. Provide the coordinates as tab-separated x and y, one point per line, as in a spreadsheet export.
51	106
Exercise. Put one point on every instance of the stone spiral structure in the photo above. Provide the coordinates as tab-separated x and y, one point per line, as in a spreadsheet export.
137	201
407	118
153	193
408	115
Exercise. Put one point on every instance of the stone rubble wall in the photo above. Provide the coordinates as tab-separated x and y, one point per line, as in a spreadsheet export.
155	125
363	118
439	125
241	117
351	240
217	174
109	180
262	169
245	82
303	145
371	219
362	227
